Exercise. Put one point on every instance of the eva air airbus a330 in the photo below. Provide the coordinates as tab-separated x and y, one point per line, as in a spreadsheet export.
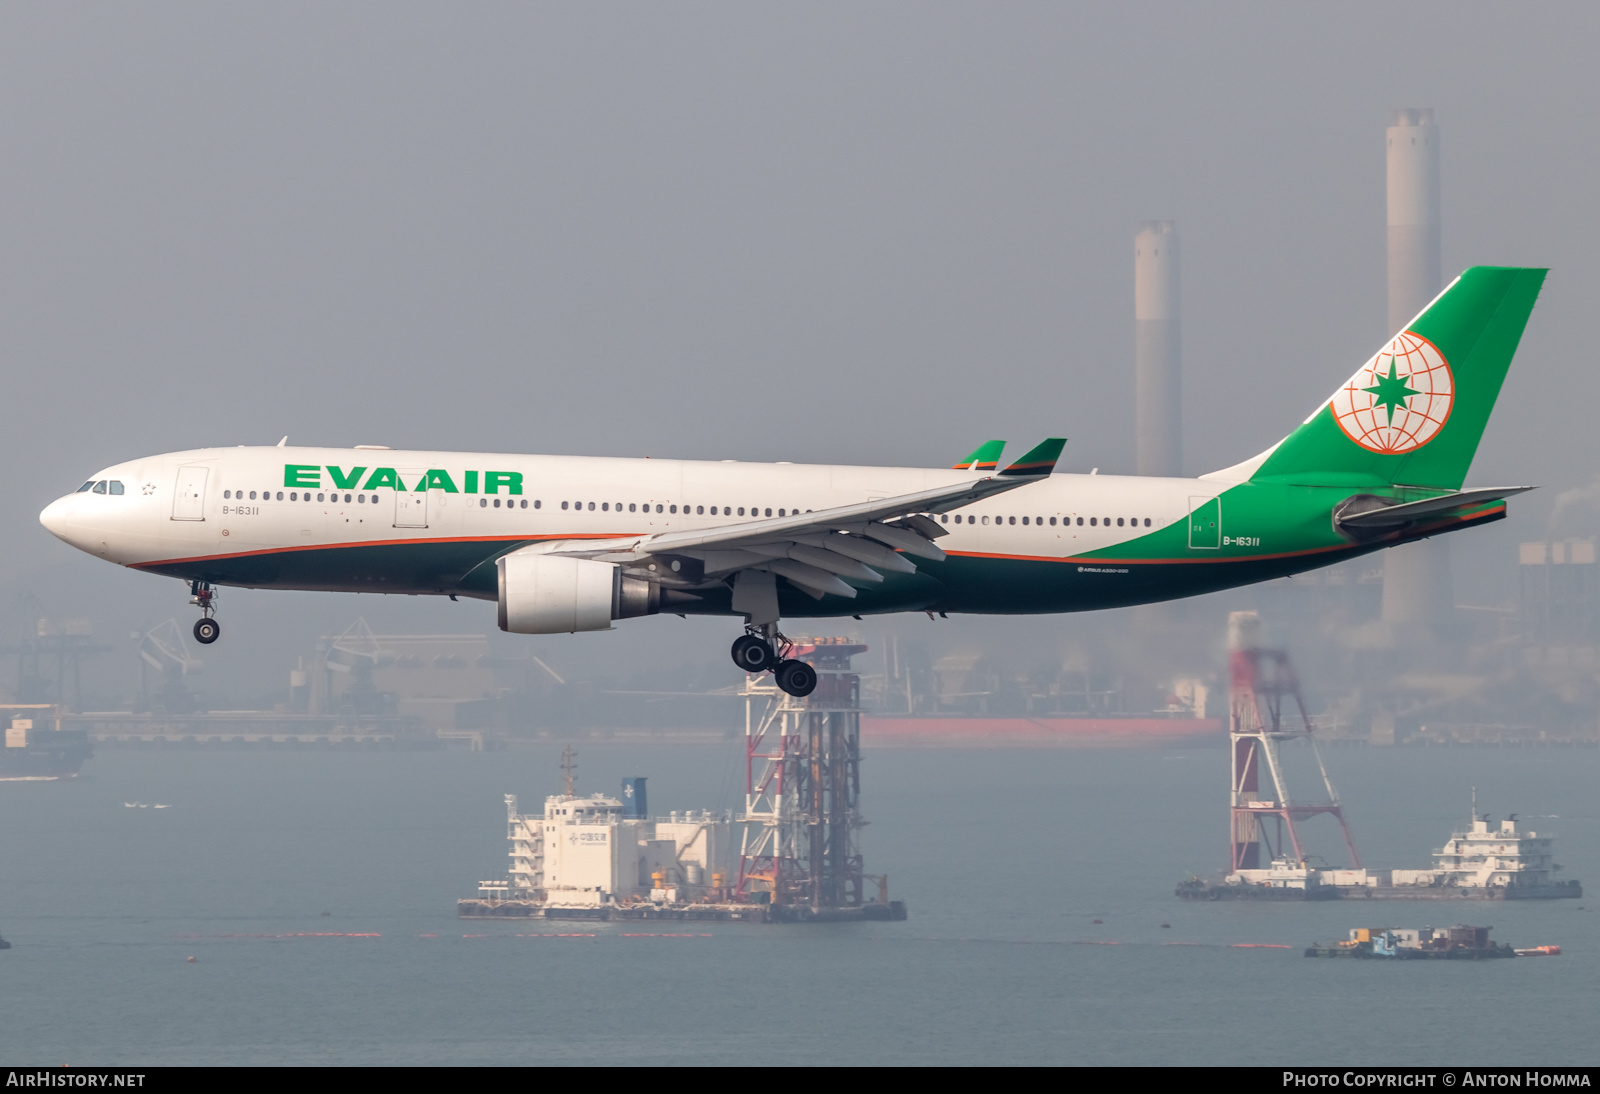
567	543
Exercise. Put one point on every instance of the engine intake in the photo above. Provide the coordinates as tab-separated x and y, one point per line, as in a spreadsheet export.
554	594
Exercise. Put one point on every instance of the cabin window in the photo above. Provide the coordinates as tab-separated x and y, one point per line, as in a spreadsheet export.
944	520
769	512
633	507
1119	522
252	495
674	508
320	497
605	506
986	520
347	499
741	510
227	493
1024	520
1052	522
591	507
700	509
1147	522
86	486
497	503
563	505
280	496
658	508
361	499
1093	521
295	496
116	486
483	503
780	512
100	487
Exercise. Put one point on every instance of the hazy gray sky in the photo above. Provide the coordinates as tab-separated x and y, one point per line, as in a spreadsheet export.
811	232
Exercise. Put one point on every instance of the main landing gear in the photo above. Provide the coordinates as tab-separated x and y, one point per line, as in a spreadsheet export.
206	629
755	651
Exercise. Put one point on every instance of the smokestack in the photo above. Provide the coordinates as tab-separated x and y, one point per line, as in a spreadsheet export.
1157	382
1417	589
1414	275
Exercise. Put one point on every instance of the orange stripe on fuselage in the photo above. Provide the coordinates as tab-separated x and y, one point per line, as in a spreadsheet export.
380	543
1214	559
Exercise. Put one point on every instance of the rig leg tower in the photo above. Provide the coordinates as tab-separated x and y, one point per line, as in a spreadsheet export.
803	786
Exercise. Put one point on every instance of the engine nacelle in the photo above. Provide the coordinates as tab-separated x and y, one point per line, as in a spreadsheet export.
554	594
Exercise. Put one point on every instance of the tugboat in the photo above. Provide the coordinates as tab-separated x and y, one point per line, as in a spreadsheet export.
1418	943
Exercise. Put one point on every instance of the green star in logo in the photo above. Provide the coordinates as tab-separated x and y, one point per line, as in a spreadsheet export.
1391	391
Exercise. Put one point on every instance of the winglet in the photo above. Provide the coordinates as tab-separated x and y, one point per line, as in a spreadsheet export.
984	458
1040	460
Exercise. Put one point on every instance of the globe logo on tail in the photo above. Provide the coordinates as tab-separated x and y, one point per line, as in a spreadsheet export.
1399	400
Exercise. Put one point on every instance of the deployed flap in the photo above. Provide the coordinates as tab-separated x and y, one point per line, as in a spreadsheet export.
815	552
1429	507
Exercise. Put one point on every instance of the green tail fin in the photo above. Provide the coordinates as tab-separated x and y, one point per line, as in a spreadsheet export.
1040	459
984	458
1414	414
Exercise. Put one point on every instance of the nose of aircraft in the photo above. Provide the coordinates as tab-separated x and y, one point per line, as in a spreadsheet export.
57	519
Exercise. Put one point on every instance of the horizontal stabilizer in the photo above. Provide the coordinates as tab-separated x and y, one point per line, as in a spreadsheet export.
1040	460
1391	515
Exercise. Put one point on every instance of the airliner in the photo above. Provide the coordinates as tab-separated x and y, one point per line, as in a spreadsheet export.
570	543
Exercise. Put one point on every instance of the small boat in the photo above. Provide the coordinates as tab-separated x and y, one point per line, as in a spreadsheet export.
1540	951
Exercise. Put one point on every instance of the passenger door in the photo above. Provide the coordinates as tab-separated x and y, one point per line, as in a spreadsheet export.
411	509
1205	524
189	500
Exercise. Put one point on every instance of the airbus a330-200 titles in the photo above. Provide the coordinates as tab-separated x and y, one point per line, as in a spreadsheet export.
565	543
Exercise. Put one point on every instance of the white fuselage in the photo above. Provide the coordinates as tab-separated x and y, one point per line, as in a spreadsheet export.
186	508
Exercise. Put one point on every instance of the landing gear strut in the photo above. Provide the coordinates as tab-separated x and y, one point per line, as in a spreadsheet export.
206	629
762	648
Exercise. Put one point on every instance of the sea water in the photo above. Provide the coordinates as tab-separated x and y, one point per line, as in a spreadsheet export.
316	893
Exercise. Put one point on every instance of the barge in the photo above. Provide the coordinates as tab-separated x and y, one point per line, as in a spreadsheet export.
1418	944
1484	861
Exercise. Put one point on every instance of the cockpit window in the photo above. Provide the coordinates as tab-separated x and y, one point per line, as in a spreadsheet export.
86	486
116	486
100	487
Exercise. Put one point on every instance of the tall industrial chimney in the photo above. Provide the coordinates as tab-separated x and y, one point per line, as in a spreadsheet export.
1414	277
1157	382
1417	590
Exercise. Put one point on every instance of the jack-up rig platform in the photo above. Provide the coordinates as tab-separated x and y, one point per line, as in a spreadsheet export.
598	857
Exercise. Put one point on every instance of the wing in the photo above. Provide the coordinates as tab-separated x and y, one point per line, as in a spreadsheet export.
814	551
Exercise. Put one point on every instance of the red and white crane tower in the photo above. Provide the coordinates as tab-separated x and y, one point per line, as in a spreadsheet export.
1262	685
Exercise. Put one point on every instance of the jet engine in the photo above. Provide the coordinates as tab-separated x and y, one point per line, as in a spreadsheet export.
555	594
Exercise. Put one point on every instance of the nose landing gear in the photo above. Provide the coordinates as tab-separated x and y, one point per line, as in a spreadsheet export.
763	649
206	629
